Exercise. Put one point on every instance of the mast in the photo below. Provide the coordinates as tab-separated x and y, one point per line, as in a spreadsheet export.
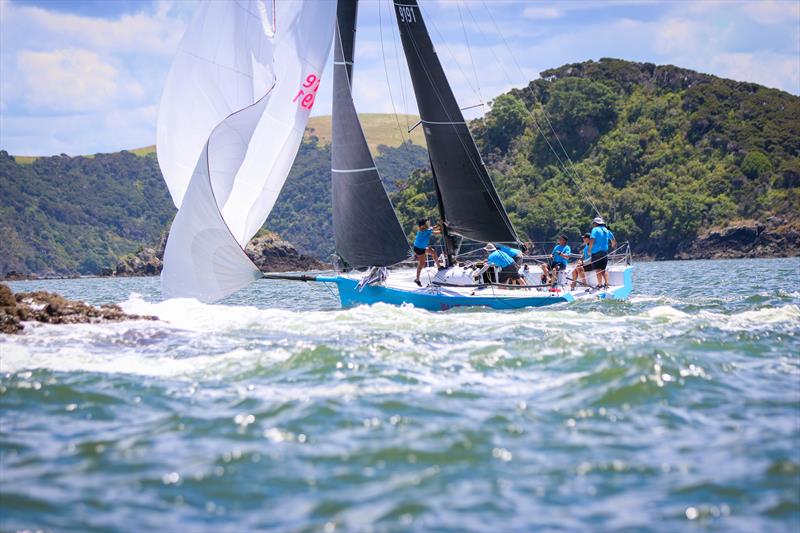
468	200
366	229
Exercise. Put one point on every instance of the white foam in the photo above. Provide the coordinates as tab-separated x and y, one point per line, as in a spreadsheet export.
14	358
665	311
219	340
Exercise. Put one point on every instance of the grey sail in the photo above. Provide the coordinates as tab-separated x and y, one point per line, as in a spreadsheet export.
468	200
366	228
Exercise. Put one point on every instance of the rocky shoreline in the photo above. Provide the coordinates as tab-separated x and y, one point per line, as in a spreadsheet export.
51	308
774	237
267	250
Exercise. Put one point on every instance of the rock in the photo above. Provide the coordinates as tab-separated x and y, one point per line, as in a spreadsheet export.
267	250
6	297
13	275
145	262
270	253
53	309
774	237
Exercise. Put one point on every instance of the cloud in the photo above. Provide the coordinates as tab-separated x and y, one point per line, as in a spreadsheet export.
772	12
157	32
77	83
66	80
771	70
537	13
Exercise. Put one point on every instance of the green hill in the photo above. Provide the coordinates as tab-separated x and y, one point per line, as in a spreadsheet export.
64	215
670	156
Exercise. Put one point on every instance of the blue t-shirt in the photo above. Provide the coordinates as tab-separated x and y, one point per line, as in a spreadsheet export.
500	258
423	238
562	249
513	252
600	236
586	255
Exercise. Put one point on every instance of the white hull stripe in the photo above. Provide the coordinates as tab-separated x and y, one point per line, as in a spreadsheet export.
431	122
346	171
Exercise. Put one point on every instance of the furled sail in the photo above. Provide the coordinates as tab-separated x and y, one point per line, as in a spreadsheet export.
467	196
366	228
232	117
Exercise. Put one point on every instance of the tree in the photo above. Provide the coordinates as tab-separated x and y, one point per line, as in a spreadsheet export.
756	164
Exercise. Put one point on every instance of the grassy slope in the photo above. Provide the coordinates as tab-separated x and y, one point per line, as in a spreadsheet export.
379	128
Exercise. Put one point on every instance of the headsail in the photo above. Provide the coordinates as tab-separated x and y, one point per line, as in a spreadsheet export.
467	196
236	103
366	228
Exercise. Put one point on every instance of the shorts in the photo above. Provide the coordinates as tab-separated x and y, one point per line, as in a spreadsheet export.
599	262
552	265
419	251
509	273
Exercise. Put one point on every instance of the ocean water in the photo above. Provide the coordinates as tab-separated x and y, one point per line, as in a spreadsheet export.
676	410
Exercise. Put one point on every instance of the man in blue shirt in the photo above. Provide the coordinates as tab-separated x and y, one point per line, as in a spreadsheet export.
514	253
599	240
422	245
509	273
557	261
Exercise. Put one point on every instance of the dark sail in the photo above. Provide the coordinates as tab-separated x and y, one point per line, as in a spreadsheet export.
366	228
467	196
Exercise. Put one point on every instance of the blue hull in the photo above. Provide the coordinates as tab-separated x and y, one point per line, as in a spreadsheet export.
440	299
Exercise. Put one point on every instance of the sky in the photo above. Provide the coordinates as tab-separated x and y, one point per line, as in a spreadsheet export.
82	77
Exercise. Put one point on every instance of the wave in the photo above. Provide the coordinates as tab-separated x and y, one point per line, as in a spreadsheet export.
193	340
196	316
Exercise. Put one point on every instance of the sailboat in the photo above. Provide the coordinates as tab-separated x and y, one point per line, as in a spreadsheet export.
369	238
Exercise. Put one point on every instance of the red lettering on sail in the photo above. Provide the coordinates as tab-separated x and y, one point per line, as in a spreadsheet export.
308	92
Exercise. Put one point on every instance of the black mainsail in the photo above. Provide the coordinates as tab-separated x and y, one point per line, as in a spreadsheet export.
366	228
468	201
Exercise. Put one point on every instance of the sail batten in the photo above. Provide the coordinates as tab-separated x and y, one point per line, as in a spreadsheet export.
366	229
465	191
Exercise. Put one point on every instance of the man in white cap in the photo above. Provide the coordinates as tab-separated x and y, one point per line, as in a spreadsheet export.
599	239
508	272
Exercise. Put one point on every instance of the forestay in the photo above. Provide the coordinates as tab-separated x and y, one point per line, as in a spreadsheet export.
468	199
366	228
232	117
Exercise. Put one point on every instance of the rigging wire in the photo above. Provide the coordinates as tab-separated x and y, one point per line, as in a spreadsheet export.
570	170
400	76
388	83
509	79
426	16
469	51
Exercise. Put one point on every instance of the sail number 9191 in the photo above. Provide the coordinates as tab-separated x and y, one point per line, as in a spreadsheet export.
407	14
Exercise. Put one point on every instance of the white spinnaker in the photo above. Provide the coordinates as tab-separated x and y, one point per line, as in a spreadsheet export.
237	102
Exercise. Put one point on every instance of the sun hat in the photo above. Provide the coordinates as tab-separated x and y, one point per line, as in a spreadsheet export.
599	221
490	247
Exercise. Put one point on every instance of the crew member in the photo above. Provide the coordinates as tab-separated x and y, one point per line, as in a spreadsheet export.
422	245
583	263
557	261
508	269
599	239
